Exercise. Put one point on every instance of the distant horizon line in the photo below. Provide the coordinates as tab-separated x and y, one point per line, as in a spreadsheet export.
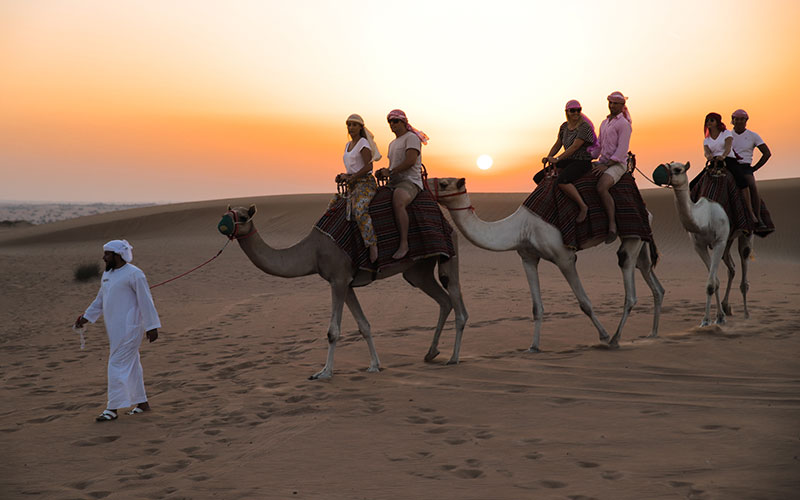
172	202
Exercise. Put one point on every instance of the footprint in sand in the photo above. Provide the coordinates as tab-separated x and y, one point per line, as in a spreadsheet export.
413	419
534	455
99	494
611	475
96	441
549	483
588	465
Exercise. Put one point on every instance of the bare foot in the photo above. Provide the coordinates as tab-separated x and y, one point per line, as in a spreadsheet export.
401	252
582	214
373	253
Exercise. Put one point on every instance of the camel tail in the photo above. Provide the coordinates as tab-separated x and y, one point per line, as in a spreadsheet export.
653	251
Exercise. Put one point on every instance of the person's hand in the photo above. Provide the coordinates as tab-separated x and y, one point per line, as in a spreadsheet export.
80	321
152	335
552	159
598	168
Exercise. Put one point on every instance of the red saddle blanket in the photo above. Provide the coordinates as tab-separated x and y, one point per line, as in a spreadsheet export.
719	186
429	233
551	204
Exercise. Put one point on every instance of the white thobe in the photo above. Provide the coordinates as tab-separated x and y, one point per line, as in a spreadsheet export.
127	308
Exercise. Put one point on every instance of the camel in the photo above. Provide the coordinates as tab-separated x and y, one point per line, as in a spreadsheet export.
317	253
709	228
535	239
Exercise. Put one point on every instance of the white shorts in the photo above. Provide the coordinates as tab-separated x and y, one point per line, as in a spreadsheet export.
616	171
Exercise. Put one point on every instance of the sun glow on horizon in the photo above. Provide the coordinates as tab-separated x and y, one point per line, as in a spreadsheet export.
484	162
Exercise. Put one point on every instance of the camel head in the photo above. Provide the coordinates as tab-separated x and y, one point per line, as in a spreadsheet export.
237	222
671	174
448	191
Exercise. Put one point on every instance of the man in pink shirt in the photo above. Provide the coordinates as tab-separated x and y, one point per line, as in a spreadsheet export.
614	139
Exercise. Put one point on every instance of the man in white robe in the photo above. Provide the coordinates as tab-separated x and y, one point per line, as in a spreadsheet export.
127	308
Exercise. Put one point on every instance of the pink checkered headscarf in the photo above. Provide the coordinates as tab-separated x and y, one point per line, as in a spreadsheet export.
400	115
619	98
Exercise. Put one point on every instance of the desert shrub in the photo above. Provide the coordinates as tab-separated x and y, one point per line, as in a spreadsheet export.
87	272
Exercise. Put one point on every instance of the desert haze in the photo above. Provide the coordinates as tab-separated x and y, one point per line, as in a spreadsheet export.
700	413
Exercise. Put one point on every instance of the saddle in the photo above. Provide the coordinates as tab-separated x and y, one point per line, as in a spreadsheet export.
717	184
553	206
429	233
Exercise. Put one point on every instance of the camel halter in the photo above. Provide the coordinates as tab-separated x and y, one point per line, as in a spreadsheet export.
236	223
437	196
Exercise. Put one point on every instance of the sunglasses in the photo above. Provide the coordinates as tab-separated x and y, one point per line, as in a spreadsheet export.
395	120
574	110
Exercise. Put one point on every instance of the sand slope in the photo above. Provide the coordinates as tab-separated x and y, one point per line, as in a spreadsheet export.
698	413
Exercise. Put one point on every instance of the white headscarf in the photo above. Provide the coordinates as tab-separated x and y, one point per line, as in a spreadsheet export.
121	247
376	155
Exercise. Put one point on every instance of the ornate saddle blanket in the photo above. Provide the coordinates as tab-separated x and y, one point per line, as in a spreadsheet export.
429	233
719	186
551	204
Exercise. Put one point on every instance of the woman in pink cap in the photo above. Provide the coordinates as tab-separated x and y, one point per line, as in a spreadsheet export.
405	171
359	154
577	137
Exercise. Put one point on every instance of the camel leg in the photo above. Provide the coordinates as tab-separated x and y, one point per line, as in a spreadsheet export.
363	326
627	256
712	284
567	267
745	250
338	295
728	260
645	265
421	276
450	279
531	266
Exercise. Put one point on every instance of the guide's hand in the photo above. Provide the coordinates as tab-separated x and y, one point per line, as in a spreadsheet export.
152	335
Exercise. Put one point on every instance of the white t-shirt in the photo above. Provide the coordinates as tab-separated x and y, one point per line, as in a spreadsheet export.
717	146
744	143
352	159
397	154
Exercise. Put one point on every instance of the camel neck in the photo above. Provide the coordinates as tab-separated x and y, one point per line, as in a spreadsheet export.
297	260
684	204
496	236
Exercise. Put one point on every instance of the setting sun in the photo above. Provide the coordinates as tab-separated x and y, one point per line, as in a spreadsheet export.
485	162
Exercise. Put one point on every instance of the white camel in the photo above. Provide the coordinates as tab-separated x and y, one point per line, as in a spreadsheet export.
535	239
319	254
709	228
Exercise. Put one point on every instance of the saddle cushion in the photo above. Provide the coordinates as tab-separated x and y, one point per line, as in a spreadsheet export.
429	233
720	186
551	204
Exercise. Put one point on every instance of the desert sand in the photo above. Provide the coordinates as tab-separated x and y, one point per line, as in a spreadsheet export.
699	413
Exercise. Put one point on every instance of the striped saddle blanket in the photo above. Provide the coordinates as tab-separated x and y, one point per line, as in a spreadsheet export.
719	186
551	204
429	233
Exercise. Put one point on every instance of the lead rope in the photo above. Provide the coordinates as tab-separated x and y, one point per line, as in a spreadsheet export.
196	268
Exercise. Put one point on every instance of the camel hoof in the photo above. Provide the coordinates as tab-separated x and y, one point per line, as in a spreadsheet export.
653	335
431	356
452	361
320	376
374	369
534	349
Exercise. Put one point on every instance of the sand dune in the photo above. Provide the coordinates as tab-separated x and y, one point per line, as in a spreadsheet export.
701	413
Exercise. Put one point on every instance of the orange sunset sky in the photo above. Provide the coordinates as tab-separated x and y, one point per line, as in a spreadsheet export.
152	101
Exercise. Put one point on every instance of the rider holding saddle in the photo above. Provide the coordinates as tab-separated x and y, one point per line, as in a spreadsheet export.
359	154
404	172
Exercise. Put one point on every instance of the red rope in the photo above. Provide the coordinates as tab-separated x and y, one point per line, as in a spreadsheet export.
196	268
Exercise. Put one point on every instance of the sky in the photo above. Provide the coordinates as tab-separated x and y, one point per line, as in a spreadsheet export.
150	101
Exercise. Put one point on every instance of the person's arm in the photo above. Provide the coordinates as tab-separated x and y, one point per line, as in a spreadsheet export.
576	144
620	154
765	156
727	151
366	156
555	149
408	162
147	309
707	152
92	312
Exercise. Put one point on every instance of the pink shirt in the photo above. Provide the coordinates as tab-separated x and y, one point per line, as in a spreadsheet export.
615	138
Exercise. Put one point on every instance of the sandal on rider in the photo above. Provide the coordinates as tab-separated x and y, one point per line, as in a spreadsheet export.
106	415
135	411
